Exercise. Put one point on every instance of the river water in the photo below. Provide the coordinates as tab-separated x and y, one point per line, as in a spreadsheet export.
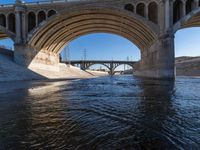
121	112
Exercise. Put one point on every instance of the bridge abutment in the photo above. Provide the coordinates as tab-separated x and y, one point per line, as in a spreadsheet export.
23	54
41	62
26	56
159	60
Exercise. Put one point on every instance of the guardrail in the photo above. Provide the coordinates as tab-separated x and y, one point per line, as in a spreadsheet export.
40	3
45	2
6	5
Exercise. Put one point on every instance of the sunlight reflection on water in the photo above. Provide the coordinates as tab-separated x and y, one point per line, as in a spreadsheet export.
101	113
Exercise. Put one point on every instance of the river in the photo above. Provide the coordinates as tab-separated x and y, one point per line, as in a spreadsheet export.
120	112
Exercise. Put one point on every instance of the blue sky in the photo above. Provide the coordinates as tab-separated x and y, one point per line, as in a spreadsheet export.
110	46
103	46
12	1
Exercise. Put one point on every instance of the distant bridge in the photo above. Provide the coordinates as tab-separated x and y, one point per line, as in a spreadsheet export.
110	64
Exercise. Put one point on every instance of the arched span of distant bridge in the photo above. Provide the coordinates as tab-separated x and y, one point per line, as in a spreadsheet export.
111	65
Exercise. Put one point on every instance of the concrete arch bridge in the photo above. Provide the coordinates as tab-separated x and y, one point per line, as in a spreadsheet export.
111	65
41	30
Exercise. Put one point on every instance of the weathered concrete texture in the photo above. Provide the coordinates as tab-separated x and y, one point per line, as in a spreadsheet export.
158	62
26	55
10	71
45	63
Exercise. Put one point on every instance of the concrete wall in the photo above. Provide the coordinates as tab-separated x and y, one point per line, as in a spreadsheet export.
26	55
159	61
43	62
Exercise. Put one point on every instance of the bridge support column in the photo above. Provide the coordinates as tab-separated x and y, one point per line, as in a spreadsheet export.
111	72
83	66
111	69
27	56
158	62
23	54
41	62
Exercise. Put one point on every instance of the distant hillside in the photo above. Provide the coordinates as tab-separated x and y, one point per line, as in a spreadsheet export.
188	66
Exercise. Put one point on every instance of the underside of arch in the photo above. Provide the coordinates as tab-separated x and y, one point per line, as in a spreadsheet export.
194	21
98	64
190	20
123	64
4	33
63	28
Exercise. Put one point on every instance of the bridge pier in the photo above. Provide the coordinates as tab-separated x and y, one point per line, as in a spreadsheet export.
159	61
111	72
44	63
111	69
41	62
23	54
27	56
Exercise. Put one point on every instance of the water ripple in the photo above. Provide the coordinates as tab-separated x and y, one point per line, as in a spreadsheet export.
102	113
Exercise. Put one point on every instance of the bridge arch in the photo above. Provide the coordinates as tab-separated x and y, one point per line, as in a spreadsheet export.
190	20
74	22
11	22
118	65
37	17
4	33
31	20
153	12
190	5
3	20
140	9
110	65
41	16
92	64
51	13
129	7
178	10
7	26
107	66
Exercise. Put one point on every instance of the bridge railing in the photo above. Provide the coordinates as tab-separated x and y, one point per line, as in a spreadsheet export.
40	2
6	5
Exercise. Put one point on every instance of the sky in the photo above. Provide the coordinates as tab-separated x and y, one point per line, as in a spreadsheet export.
102	46
13	1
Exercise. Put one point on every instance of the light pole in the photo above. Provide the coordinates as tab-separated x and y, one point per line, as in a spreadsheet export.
127	59
68	54
84	54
